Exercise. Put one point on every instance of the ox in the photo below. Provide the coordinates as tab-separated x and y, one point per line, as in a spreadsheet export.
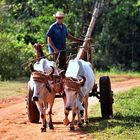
77	90
45	83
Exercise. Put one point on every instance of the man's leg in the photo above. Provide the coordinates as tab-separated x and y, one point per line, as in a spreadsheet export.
63	60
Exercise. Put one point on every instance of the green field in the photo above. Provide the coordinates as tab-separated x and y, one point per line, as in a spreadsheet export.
125	125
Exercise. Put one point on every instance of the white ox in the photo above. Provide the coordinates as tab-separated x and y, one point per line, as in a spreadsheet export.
44	92
77	91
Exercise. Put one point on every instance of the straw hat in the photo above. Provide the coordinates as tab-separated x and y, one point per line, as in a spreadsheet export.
59	14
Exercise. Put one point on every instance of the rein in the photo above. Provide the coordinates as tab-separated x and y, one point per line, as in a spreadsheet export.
45	56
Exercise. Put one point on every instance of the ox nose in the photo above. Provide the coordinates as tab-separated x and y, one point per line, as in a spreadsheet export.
68	108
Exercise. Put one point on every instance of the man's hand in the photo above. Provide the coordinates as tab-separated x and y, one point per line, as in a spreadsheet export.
80	40
56	51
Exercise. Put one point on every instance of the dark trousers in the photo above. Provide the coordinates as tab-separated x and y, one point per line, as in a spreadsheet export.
62	59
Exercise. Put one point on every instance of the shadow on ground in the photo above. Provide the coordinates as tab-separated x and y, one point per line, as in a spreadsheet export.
98	124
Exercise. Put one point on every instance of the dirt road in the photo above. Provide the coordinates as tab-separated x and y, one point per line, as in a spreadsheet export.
14	124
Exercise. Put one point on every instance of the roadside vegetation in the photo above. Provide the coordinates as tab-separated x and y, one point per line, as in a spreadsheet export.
26	22
117	75
9	89
125	124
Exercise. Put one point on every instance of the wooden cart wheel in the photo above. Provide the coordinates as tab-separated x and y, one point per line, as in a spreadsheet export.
32	111
106	97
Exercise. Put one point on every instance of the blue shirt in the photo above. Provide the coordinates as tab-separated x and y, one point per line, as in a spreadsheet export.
58	36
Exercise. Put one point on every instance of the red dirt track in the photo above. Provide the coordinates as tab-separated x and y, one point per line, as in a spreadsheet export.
14	124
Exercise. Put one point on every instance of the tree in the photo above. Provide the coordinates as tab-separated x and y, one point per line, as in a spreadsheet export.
119	35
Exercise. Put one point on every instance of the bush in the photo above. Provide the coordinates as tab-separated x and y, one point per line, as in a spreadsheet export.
12	56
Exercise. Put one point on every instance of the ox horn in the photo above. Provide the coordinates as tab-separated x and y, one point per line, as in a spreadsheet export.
74	79
31	67
82	81
52	72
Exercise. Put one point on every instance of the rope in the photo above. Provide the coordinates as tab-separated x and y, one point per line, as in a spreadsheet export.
45	45
58	56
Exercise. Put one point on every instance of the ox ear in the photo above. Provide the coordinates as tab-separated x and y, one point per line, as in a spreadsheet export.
82	81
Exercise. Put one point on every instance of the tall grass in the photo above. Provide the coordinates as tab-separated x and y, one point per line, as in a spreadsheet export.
125	124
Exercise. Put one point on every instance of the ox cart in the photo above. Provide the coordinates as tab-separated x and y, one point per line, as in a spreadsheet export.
103	93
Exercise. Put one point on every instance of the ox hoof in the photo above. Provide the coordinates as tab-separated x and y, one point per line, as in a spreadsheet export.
51	126
43	129
82	120
86	123
72	128
80	124
82	113
66	121
35	98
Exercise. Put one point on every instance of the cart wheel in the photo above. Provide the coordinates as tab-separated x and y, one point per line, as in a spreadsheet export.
32	111
106	97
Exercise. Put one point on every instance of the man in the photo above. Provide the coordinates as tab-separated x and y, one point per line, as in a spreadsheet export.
56	38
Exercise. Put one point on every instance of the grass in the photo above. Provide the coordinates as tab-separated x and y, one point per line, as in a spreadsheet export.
117	76
125	124
10	89
13	88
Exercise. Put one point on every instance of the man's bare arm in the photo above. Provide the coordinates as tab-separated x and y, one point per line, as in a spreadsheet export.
74	38
52	45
